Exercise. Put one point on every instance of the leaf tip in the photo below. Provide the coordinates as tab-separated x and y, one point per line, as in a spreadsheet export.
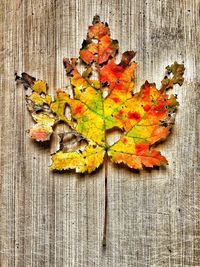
96	19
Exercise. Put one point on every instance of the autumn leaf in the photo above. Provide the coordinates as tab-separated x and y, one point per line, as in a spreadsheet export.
105	103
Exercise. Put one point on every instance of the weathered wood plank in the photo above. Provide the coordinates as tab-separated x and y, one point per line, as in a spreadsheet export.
51	219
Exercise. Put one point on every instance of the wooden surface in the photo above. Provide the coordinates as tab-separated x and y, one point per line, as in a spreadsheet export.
52	219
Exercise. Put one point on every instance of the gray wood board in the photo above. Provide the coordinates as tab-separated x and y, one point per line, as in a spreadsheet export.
52	219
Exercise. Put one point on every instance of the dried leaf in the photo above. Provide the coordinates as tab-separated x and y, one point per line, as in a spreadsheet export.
102	104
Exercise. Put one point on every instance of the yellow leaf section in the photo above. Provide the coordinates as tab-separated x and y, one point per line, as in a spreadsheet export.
86	161
39	87
85	93
86	106
42	130
89	123
40	100
58	107
94	83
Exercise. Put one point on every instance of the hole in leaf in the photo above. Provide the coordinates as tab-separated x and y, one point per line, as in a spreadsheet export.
105	92
94	40
55	140
29	91
113	135
71	141
68	112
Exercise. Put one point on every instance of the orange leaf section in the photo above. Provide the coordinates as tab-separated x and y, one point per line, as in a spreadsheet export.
142	157
101	49
147	118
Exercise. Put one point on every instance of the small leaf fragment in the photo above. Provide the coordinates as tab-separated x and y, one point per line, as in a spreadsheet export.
43	129
39	87
177	70
40	100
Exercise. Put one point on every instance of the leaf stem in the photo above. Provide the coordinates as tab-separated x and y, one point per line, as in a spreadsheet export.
106	201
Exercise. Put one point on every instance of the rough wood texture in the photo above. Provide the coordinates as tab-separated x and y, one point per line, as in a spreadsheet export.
51	219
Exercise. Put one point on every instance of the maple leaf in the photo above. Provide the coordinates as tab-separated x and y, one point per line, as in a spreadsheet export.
100	105
109	102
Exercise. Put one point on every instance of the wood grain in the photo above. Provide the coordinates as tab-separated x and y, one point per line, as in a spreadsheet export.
51	219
